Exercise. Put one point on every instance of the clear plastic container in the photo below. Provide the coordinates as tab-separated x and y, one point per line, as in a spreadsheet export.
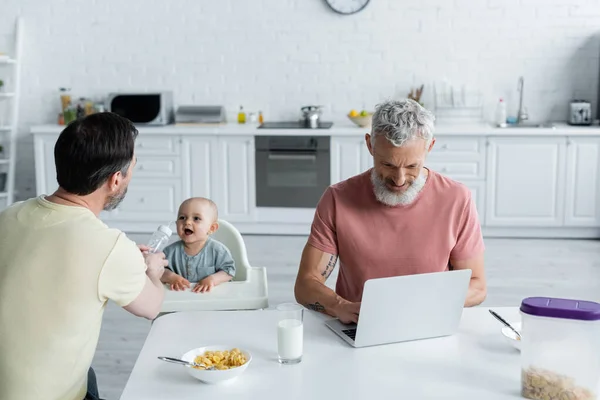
160	238
560	349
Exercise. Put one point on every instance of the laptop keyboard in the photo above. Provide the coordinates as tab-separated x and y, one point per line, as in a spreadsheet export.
351	333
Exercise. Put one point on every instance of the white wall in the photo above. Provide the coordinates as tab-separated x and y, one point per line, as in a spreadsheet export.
276	55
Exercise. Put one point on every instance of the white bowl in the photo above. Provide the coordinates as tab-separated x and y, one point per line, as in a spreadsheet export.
363	121
510	336
215	376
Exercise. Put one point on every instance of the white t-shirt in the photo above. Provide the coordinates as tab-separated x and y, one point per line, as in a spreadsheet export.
58	267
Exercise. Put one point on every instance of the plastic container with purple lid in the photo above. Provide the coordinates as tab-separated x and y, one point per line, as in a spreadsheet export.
560	349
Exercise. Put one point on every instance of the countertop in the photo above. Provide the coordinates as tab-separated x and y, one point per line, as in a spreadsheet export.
345	129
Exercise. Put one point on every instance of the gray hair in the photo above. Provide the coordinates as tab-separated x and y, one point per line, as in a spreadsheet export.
402	120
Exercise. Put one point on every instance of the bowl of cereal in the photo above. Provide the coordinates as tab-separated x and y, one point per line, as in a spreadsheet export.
229	362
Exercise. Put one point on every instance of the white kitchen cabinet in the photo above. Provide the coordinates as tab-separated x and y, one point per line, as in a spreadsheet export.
200	167
478	195
236	188
45	170
349	156
582	202
148	199
526	181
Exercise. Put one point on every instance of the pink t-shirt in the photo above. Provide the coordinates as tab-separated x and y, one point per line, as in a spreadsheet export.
374	240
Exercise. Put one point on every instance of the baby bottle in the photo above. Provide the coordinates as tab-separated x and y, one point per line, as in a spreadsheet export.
160	238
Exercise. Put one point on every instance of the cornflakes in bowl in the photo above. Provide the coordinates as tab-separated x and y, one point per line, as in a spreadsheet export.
229	362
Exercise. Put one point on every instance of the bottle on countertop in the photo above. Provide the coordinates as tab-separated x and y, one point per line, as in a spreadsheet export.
160	238
80	108
501	114
261	119
65	98
241	116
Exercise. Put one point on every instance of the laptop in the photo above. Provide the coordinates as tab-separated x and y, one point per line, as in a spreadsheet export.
404	308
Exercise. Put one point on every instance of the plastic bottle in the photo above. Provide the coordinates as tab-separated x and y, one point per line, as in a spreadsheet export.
241	116
501	113
261	119
160	238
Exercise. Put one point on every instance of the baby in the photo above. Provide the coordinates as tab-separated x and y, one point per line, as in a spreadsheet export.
197	257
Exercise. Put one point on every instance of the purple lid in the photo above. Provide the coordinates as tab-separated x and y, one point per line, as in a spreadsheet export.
561	308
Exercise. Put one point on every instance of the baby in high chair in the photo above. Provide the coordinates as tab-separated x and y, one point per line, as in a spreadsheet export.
197	257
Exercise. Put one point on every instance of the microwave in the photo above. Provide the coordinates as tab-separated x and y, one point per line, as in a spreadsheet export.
153	108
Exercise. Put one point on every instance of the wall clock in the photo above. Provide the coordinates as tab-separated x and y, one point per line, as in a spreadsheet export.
347	7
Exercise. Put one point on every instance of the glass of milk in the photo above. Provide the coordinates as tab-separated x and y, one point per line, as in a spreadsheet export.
290	331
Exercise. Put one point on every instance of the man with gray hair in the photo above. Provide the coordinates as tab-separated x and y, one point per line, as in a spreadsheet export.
398	218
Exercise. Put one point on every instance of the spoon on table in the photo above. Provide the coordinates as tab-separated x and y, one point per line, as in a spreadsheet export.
187	363
499	318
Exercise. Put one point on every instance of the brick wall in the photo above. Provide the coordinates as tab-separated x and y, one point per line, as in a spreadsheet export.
276	55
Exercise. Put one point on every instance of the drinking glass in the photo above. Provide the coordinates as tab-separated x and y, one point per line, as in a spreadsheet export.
290	331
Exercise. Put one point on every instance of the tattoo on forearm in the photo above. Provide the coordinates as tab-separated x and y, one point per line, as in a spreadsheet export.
330	266
316	307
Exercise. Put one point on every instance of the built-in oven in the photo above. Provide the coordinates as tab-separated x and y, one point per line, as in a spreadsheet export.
291	171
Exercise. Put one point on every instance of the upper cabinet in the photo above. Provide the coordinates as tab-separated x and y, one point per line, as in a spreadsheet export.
582	202
526	181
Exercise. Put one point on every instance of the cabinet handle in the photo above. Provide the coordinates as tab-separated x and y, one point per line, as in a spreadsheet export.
445	147
142	200
444	169
569	142
140	145
141	167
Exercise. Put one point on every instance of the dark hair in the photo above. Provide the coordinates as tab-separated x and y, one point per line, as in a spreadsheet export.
89	150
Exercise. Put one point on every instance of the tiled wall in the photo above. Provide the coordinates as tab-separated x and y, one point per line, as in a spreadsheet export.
277	55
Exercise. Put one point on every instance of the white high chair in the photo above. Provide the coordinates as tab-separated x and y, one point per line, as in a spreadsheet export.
247	291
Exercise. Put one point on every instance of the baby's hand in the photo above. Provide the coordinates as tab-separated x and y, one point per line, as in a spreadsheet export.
205	285
179	283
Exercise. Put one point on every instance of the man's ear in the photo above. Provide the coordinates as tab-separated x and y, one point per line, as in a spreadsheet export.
113	181
431	145
213	228
369	145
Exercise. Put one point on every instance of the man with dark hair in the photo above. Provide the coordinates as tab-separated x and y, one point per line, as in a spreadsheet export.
60	265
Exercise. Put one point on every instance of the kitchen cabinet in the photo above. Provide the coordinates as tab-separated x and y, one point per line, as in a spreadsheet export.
582	202
149	199
156	189
45	170
349	156
478	195
200	165
526	181
523	184
236	193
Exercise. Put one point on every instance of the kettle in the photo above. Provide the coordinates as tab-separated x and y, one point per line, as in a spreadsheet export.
311	116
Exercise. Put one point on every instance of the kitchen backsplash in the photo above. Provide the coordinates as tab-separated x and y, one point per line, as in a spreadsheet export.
277	55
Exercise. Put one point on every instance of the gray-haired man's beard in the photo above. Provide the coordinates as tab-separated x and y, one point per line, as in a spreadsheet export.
386	196
114	201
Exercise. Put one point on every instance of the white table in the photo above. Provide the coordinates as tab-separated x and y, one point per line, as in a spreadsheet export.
476	363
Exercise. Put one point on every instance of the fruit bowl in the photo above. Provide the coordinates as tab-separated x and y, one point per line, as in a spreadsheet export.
364	121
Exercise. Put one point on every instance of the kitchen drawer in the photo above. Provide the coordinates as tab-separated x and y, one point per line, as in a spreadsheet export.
157	145
458	147
149	199
458	170
157	167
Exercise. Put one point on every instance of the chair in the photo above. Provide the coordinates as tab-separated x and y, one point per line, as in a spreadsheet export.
247	291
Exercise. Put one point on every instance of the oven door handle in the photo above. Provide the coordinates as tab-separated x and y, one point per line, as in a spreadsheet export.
292	157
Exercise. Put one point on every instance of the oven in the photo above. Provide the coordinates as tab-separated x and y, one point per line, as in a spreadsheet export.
291	171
